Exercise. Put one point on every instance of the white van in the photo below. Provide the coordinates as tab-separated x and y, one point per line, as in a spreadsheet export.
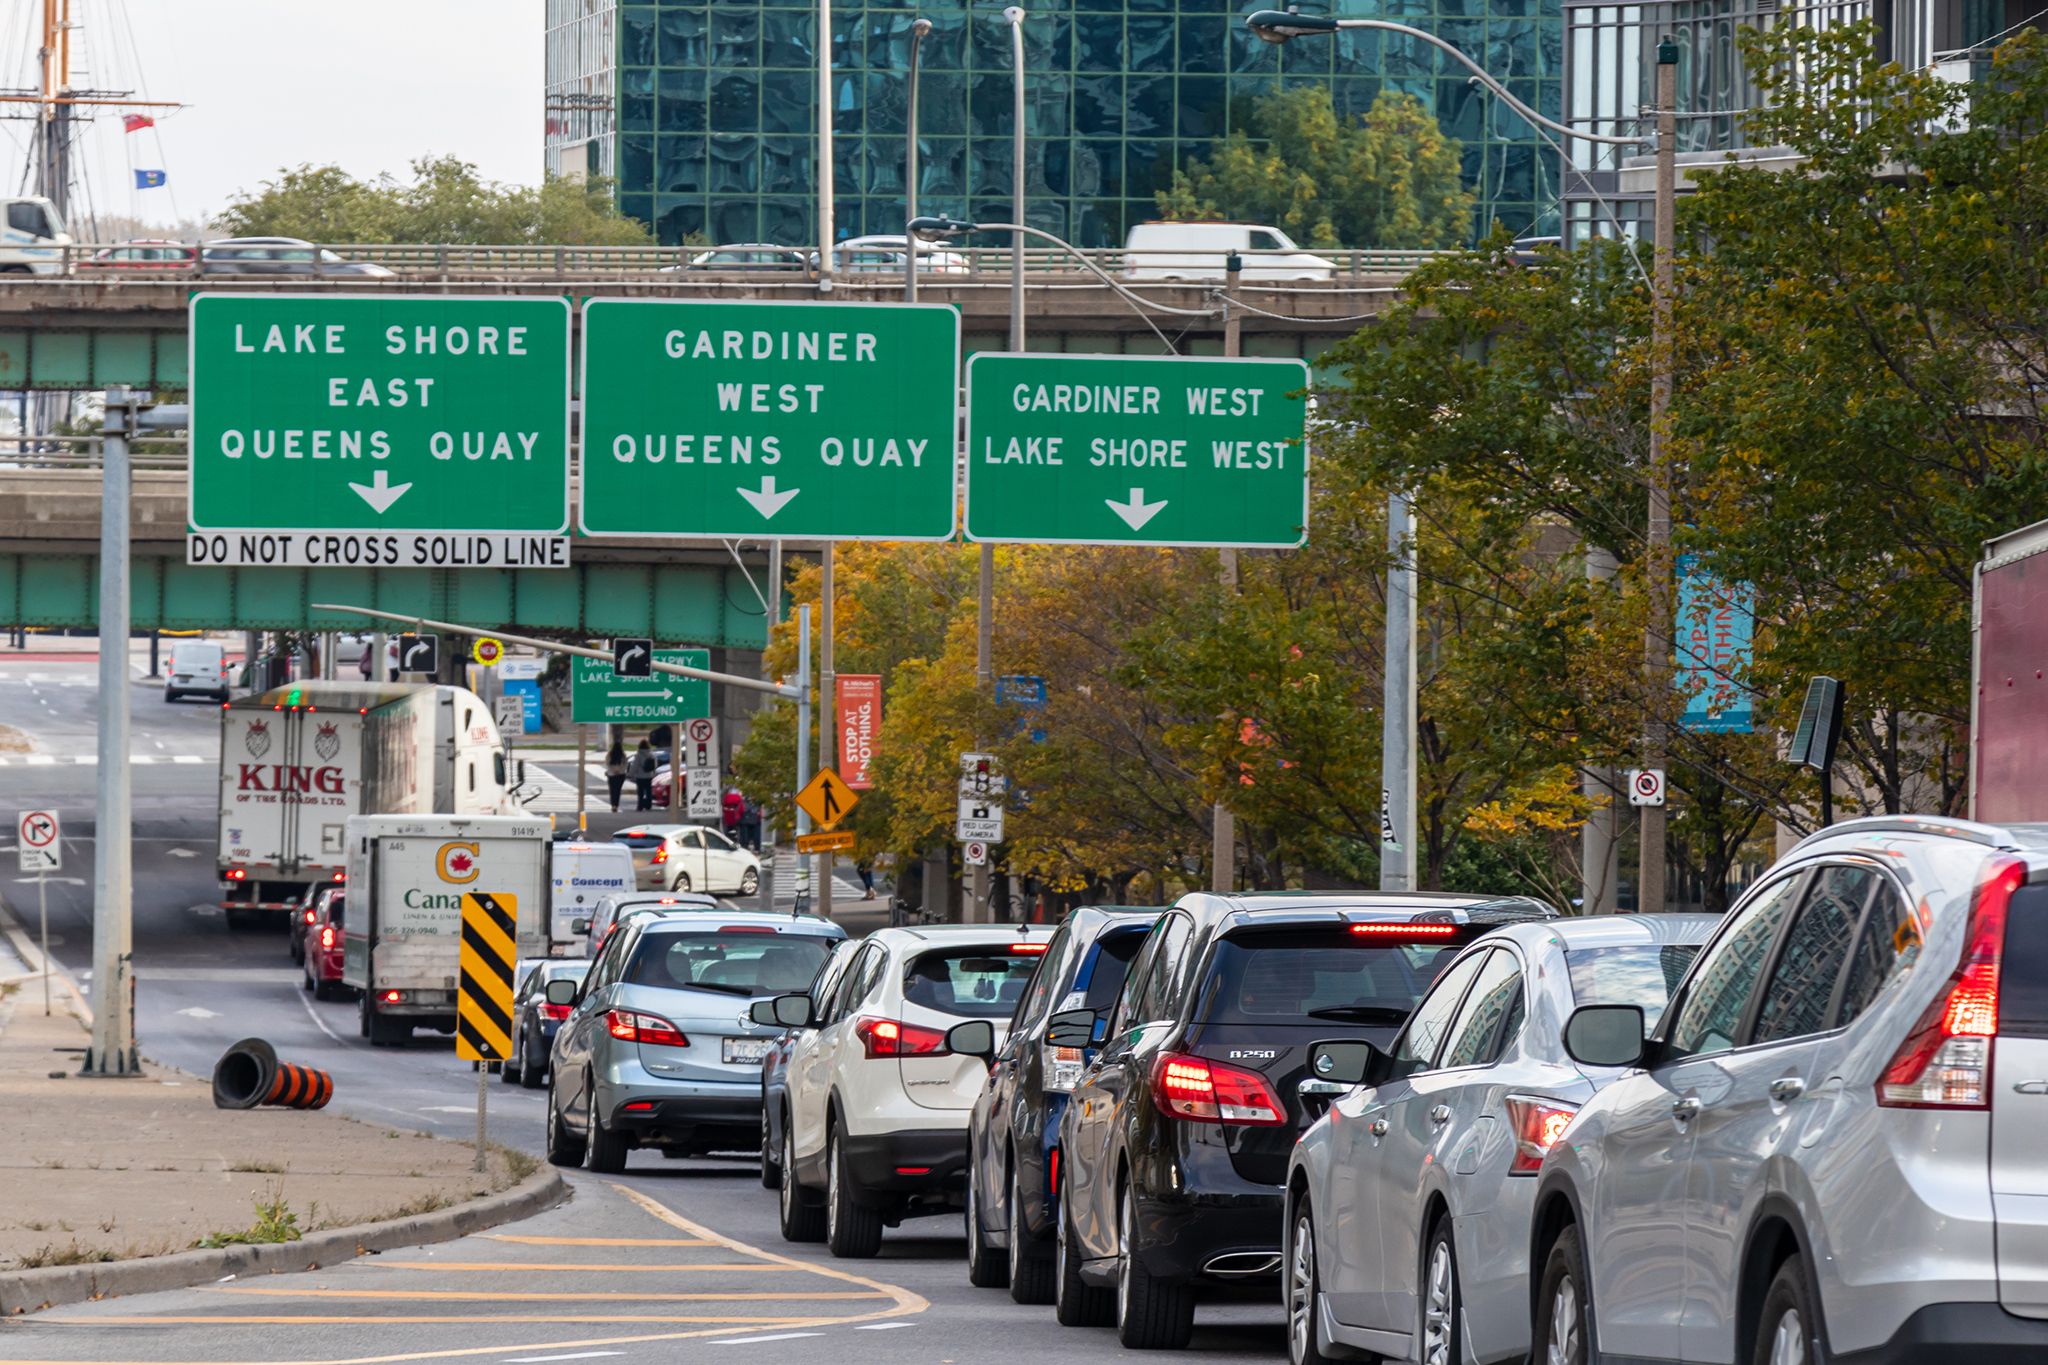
32	237
585	873
1198	251
196	668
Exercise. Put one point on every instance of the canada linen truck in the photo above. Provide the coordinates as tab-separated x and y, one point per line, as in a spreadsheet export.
407	874
296	762
2009	719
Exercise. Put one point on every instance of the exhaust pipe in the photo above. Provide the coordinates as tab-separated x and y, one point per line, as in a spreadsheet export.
1242	1265
249	1074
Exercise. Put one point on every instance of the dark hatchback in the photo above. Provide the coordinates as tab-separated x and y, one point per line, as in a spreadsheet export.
1174	1145
1013	1133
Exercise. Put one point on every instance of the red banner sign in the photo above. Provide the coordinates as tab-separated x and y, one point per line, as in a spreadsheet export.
860	719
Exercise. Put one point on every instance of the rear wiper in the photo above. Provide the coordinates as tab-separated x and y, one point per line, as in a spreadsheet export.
722	990
1361	1014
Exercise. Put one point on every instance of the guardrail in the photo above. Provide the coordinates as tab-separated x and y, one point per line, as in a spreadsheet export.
85	454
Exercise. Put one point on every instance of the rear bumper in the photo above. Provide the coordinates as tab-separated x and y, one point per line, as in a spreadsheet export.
681	1113
1940	1333
1184	1238
930	1163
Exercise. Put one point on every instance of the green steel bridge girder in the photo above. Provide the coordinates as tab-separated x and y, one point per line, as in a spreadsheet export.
703	604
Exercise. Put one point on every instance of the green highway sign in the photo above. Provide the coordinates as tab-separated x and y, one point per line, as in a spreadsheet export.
379	430
1137	450
598	696
830	421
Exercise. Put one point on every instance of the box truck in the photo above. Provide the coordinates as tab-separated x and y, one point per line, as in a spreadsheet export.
296	762
2009	677
407	874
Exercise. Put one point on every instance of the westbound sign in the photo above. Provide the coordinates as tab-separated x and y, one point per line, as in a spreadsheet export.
598	696
379	431
830	421
1137	450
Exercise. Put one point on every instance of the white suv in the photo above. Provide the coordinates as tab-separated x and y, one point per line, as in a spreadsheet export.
874	1128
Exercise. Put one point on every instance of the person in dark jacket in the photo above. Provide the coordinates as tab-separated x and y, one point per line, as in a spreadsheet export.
643	776
615	771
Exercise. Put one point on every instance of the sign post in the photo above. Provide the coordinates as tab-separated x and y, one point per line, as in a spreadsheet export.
714	419
700	761
386	431
483	1001
40	849
1137	450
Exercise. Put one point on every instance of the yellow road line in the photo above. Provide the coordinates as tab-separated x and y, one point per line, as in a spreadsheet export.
280	1319
532	1241
558	1266
562	1296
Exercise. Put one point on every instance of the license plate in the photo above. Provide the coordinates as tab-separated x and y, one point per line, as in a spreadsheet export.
748	1050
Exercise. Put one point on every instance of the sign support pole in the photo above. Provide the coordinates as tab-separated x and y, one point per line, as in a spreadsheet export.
676	771
483	1090
768	828
1223	821
803	738
113	1025
1397	719
582	778
43	916
828	710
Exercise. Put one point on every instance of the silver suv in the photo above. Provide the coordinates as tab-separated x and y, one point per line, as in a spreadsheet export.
1832	1146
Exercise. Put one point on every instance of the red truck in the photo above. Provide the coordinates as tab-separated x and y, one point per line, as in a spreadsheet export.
2009	677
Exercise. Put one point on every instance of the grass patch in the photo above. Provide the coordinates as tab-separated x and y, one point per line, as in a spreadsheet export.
275	1222
517	1163
257	1167
74	1254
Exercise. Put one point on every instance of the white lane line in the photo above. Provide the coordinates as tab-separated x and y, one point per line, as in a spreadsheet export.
40	760
752	1341
187	758
882	1326
318	1022
573	1355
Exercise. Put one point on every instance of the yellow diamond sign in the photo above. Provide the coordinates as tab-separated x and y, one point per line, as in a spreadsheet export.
826	799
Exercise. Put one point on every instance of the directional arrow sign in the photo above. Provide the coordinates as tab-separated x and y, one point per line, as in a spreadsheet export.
826	799
1137	450
599	696
633	658
419	654
800	420
379	431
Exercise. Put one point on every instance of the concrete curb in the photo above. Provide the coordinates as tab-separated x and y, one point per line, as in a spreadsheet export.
26	1291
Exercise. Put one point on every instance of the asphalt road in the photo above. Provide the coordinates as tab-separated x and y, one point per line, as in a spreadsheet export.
673	1259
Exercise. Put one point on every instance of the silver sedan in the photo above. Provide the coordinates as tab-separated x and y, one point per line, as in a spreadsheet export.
1426	1157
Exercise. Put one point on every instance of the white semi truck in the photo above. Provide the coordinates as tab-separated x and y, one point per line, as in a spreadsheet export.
297	761
407	875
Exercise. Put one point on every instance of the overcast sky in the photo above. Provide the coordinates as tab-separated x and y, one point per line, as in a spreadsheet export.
370	84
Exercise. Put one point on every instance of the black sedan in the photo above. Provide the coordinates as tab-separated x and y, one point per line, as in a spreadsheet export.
534	1020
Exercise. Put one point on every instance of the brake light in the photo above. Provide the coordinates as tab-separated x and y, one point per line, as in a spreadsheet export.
235	874
889	1038
661	854
309	915
1402	932
393	997
1209	1092
1538	1124
1028	949
341	876
744	929
554	1011
1052	1172
638	1026
326	936
1062	1067
1945	1062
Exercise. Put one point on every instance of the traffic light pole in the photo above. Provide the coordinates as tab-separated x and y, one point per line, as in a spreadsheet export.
803	739
827	712
1650	866
1223	821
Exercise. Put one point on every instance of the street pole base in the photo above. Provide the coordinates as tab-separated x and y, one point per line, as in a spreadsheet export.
125	1064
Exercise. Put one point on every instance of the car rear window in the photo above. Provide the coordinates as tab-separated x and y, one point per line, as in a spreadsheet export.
1302	975
638	840
2023	969
735	961
977	983
1113	956
1644	974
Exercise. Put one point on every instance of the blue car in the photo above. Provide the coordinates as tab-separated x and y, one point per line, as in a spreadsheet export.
1013	1133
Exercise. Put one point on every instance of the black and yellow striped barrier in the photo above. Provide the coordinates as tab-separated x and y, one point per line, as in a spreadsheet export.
483	1005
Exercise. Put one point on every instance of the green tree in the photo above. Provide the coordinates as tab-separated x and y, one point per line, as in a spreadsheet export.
1388	179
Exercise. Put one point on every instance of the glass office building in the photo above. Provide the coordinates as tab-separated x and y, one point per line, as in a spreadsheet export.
703	113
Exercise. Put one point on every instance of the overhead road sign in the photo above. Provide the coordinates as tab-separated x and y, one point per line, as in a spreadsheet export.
828	421
406	431
39	841
826	799
1137	450
830	841
599	696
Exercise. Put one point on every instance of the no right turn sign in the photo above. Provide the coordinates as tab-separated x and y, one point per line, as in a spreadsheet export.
40	842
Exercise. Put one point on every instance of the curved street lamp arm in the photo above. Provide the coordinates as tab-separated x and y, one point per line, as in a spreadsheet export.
1138	303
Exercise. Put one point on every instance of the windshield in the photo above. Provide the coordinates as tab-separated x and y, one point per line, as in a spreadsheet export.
978	983
1642	975
734	961
1300	975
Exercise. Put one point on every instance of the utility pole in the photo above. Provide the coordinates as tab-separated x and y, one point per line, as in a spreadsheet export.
1650	877
1223	822
774	596
1397	713
113	997
918	32
803	737
825	168
828	711
1599	841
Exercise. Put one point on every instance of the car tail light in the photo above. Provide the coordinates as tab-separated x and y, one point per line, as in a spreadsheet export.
393	997
1052	1171
326	936
661	854
548	1011
1538	1124
235	874
913	1170
310	915
1062	1067
638	1026
1209	1092
341	876
1028	949
1945	1062
744	929
1397	931
889	1038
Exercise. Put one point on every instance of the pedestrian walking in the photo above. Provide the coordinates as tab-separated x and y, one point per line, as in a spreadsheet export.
750	825
867	878
732	809
643	776
615	770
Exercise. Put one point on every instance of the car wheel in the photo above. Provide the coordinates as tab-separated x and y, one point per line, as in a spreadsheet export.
1789	1331
1151	1314
1075	1302
985	1270
771	1173
533	1072
563	1149
306	978
363	1014
1443	1339
750	882
1564	1306
682	882
509	1073
605	1150
1304	1292
1030	1266
852	1230
802	1221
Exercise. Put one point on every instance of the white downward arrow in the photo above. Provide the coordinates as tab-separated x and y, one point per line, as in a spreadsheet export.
1137	511
765	499
380	492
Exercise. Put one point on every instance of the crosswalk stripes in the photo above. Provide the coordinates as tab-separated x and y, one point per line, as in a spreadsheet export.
88	760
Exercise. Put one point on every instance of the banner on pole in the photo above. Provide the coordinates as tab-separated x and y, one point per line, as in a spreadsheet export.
860	717
1715	627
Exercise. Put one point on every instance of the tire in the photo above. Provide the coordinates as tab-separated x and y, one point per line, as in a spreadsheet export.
383	1032
1563	1332
605	1150
771	1170
1031	1265
1789	1332
363	1014
853	1231
306	980
1151	1314
1075	1303
1442	1334
508	1074
533	1072
750	882
325	990
985	1269
802	1221
1304	1292
682	882
563	1147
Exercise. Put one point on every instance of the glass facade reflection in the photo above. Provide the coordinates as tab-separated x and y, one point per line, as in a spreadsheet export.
711	127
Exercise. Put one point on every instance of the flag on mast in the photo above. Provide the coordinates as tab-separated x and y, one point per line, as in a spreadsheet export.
135	123
148	180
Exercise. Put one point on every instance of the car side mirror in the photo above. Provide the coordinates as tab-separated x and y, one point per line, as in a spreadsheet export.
519	772
784	1011
1071	1028
1605	1035
975	1038
1347	1062
580	925
562	991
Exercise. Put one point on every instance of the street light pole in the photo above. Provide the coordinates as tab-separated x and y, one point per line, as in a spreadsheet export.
113	1021
1223	820
1397	707
918	31
825	185
1650	873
